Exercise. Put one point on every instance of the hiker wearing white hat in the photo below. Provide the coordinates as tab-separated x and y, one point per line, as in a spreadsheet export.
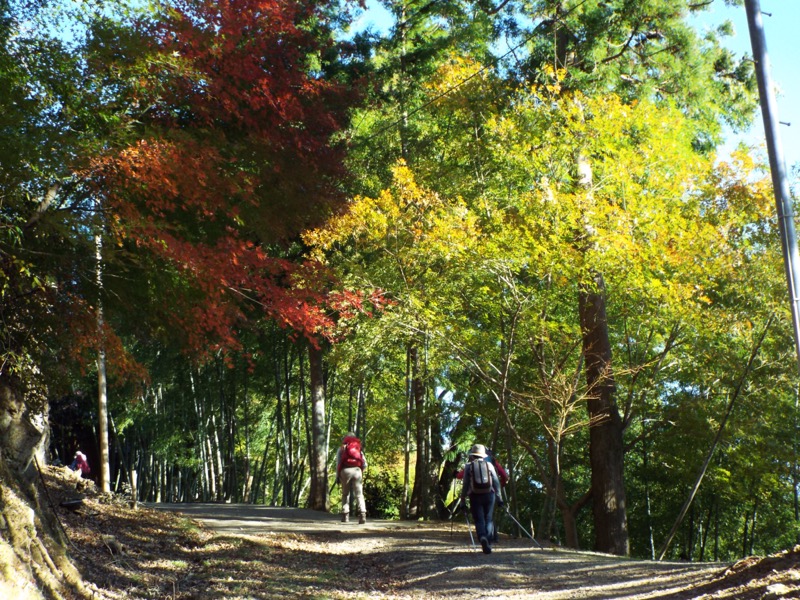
482	487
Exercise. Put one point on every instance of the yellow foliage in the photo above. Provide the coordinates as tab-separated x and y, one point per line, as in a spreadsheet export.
409	224
664	225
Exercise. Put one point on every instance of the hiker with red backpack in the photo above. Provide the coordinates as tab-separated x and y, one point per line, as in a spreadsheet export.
80	463
350	465
482	487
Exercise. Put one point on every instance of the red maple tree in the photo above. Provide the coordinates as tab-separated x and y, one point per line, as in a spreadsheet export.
234	158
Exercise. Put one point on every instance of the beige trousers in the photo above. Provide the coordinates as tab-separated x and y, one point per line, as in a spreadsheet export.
351	479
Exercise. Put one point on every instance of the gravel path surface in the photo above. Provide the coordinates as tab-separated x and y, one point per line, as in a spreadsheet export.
437	560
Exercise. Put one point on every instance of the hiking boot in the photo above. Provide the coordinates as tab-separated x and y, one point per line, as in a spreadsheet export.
345	517
487	549
362	518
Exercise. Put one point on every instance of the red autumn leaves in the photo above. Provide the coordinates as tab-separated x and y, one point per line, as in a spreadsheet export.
233	158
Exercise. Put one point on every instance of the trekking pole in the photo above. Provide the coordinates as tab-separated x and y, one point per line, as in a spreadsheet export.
452	523
496	532
523	529
452	494
335	483
469	528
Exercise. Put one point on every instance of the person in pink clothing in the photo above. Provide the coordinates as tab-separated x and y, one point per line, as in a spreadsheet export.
80	463
350	465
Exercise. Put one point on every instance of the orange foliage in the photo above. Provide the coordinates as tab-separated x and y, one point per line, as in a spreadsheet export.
237	156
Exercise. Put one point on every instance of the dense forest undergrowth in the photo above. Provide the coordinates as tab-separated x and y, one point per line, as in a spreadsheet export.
116	552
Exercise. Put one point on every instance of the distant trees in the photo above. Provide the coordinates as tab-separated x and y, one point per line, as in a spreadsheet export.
194	142
502	224
592	172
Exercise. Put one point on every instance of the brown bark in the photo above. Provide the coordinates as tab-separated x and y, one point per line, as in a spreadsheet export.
570	527
605	433
418	493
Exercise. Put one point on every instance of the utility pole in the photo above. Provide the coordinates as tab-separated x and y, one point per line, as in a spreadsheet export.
783	200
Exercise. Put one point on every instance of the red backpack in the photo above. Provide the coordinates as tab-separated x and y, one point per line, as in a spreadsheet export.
351	453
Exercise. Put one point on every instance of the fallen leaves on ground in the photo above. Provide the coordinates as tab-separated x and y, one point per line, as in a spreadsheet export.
129	554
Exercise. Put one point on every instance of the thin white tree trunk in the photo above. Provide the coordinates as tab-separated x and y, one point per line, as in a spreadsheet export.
318	464
407	441
102	387
217	455
206	482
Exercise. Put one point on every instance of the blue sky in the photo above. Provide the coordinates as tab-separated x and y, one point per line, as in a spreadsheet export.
782	34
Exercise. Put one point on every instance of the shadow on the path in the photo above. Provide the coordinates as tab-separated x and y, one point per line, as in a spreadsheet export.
438	560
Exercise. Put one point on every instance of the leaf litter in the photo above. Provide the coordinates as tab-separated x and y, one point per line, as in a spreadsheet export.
140	553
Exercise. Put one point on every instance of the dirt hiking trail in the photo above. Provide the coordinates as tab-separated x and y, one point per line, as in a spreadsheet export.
248	552
438	560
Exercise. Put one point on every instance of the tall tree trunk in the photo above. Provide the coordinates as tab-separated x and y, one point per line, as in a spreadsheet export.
248	466
744	534
303	452
319	473
205	476
158	479
648	506
706	526
216	458
406	512
753	528
606	450
570	526
544	530
102	388
605	432
288	454
102	416
227	380
417	507
261	479
124	462
716	529
361	413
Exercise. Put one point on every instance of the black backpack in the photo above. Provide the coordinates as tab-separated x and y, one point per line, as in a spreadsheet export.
481	477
